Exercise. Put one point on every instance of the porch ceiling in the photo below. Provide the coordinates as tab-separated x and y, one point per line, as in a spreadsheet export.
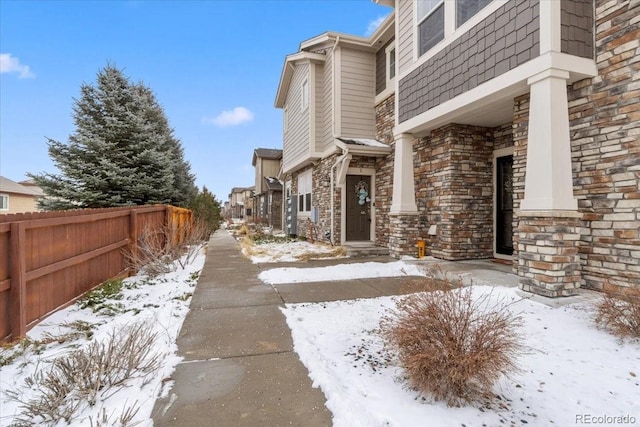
490	111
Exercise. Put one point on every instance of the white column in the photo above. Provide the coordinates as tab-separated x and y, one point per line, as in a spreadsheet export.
404	195
548	182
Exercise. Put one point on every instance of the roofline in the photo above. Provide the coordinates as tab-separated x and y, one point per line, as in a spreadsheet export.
363	149
287	73
388	25
390	3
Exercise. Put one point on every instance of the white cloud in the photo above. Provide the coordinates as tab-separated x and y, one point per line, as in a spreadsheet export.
373	25
233	117
11	64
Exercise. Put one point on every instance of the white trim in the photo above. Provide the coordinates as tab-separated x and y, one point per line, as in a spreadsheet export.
337	95
416	23
5	196
550	26
387	92
343	202
497	154
387	62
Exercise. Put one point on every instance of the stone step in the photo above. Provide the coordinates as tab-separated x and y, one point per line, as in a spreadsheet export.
363	251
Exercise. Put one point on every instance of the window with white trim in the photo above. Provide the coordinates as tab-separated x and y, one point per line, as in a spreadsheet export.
305	94
304	191
465	9
4	202
430	23
391	62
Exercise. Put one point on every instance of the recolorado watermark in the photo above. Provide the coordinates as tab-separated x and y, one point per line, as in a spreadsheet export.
605	419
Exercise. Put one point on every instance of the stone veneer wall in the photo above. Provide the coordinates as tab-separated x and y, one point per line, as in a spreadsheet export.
604	115
275	216
385	121
404	234
321	198
520	138
454	191
549	262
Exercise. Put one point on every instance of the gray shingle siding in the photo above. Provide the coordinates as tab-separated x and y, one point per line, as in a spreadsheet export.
381	67
577	28
504	40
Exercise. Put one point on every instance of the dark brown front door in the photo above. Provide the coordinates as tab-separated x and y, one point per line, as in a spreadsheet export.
504	205
358	213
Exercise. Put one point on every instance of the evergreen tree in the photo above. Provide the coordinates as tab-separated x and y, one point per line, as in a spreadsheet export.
123	151
206	209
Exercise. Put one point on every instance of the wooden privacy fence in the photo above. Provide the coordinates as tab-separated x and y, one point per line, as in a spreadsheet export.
49	259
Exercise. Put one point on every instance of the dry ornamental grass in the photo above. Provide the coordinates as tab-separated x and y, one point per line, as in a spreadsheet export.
619	313
452	346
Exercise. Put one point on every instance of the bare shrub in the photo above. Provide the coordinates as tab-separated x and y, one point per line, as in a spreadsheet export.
619	313
452	346
157	249
88	375
429	283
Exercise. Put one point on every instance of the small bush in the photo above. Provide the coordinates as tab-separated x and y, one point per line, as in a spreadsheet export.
619	313
89	375
452	346
157	249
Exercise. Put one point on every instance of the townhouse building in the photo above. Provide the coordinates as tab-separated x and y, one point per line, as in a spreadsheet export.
505	129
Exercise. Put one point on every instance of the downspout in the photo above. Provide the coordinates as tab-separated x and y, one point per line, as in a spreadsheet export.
333	131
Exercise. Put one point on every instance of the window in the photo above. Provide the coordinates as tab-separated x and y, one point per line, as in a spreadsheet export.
430	20
304	191
4	202
305	94
391	62
465	9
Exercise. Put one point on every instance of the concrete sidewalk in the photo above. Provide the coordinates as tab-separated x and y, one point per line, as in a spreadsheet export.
239	367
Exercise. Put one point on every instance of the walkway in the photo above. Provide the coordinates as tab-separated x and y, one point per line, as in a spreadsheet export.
239	367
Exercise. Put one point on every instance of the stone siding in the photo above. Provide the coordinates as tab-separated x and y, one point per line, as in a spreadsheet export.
604	115
454	189
275	215
549	262
504	40
385	121
404	235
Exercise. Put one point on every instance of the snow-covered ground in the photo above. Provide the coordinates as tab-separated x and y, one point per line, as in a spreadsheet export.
290	252
571	372
362	270
160	304
572	369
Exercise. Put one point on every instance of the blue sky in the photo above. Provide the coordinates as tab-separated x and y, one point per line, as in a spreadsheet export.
213	65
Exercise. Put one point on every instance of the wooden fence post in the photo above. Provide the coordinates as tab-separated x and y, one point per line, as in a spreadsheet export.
169	226
18	291
133	237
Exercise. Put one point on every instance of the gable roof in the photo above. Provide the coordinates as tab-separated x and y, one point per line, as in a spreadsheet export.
308	50
266	153
8	186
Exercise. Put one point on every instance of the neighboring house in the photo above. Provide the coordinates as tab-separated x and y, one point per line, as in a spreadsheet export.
515	128
267	197
331	158
226	209
17	197
240	203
